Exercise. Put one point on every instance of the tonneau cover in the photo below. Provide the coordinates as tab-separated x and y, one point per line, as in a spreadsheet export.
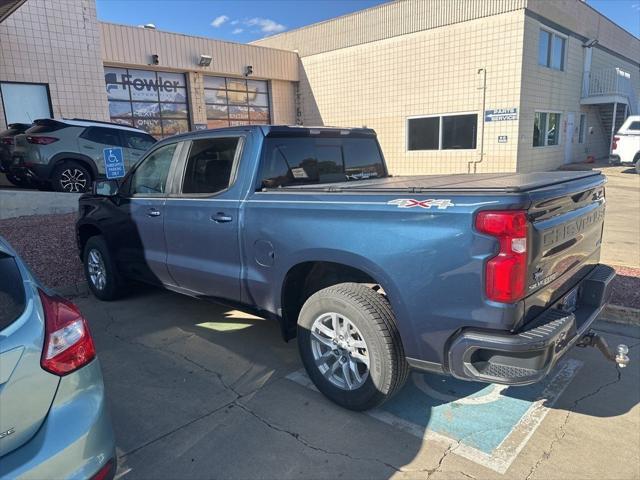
489	182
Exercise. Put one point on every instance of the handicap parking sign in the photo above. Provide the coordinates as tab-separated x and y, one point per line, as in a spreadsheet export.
113	162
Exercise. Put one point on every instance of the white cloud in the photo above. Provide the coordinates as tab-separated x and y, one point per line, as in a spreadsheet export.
234	22
236	31
266	25
218	21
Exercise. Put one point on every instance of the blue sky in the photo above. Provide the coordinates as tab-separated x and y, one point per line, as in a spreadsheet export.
247	20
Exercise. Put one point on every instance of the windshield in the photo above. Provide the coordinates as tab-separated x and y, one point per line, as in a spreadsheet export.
308	160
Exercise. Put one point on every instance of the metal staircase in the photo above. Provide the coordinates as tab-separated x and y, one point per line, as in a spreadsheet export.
612	92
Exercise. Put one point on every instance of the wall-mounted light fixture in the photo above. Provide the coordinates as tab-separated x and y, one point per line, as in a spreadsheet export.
155	60
248	70
205	60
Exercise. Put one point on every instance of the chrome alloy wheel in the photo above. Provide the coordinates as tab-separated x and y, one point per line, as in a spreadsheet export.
339	351
73	180
97	270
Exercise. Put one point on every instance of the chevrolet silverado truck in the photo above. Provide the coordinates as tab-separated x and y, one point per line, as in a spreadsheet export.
487	277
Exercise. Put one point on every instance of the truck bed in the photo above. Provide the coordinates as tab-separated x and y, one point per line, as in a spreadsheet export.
458	183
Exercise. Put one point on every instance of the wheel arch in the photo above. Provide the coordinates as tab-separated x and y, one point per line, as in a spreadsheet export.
60	158
85	232
306	276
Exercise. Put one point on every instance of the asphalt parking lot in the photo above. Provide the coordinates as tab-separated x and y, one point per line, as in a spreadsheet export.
200	391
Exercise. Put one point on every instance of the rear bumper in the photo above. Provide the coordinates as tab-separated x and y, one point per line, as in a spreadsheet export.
76	439
526	357
37	174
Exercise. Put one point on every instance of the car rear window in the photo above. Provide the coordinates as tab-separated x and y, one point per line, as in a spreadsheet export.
308	160
12	297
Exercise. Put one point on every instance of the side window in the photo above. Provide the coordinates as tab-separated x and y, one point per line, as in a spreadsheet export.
105	136
150	178
298	161
634	126
210	165
138	141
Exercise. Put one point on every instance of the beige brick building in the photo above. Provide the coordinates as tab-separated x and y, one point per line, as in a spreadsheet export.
450	86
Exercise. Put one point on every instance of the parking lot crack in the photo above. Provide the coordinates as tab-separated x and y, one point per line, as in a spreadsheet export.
180	427
561	433
297	437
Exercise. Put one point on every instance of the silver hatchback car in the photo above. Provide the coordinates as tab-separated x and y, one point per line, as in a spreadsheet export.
53	417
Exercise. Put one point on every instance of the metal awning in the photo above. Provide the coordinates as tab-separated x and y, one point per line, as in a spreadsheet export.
7	7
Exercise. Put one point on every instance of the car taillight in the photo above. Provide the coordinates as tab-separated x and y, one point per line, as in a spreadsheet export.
106	472
68	344
614	144
7	140
41	140
506	273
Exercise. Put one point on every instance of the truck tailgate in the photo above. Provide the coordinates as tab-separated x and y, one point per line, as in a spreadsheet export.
565	239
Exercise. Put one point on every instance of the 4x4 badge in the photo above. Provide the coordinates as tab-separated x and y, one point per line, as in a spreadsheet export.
440	204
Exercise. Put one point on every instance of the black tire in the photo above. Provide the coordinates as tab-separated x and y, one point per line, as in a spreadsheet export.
71	177
18	181
371	314
113	284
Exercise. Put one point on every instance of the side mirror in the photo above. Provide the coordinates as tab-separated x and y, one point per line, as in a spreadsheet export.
105	188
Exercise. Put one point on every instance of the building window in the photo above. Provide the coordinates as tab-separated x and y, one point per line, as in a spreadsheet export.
446	132
25	102
155	102
546	129
235	101
551	47
582	130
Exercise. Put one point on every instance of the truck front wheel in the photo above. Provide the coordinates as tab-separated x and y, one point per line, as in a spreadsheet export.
350	346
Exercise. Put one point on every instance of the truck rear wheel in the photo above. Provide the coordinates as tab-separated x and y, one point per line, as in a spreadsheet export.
350	346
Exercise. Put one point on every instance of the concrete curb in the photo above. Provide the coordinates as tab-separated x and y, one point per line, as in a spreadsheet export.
620	315
20	203
610	313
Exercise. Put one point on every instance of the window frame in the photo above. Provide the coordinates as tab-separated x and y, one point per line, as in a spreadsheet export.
169	185
552	35
182	161
582	128
8	82
546	125
440	132
228	104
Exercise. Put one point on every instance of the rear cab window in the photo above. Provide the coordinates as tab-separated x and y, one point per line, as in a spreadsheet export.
309	160
12	295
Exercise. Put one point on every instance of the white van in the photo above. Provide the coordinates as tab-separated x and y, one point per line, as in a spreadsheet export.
626	143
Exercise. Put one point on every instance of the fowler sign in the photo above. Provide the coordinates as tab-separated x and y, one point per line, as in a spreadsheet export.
140	83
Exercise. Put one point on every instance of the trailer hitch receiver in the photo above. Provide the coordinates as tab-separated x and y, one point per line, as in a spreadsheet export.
592	339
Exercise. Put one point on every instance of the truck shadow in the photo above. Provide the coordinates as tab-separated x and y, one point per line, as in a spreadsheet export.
157	348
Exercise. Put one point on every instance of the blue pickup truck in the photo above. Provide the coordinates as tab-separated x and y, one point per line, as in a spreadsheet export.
488	277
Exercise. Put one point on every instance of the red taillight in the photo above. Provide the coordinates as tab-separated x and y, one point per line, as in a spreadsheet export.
41	140
614	144
506	273
68	344
106	471
7	140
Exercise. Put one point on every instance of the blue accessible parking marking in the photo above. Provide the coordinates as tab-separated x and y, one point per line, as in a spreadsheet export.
488	424
113	162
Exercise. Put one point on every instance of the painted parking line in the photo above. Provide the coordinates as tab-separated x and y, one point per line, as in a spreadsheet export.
487	424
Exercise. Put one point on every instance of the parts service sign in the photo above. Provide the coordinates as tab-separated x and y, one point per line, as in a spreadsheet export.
500	114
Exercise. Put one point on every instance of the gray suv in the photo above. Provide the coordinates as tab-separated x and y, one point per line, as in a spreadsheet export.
67	155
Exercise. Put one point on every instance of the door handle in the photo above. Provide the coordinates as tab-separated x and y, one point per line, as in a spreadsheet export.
153	212
221	217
